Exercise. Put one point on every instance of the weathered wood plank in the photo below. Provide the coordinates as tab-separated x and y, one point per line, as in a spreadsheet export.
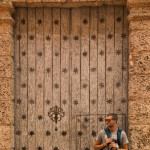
93	76
109	58
125	66
48	78
39	76
101	66
75	72
17	78
56	73
85	129
31	79
79	132
118	63
65	76
101	59
85	22
23	78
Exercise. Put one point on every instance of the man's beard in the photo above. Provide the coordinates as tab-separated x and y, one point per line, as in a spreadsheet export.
110	126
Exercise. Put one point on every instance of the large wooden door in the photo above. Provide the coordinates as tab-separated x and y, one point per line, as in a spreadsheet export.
70	71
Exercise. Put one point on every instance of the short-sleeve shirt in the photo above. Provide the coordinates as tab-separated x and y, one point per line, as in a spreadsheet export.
102	136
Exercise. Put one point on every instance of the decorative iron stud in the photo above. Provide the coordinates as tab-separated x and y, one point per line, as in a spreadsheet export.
85	21
101	20
56	86
19	69
93	37
123	35
19	101
31	133
31	69
64	101
64	133
109	101
48	70
75	102
64	70
56	148
40	117
84	53
48	38
101	52
93	133
76	37
118	19
65	38
39	21
75	70
19	37
56	22
23	21
31	37
109	36
23	53
18	133
109	68
48	133
79	133
48	102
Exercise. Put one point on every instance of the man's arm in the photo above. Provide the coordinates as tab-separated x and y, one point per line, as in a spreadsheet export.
98	145
124	147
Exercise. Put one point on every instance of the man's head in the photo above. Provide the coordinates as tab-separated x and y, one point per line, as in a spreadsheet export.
111	120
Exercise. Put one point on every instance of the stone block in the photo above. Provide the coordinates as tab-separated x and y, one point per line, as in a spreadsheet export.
6	28
139	111
141	63
6	137
139	137
6	66
139	40
6	89
6	44
6	113
139	87
139	25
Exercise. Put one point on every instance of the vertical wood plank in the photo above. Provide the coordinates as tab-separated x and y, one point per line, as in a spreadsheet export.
118	63
17	79
39	77
84	67
56	72
101	66
31	78
79	133
125	77
75	72
23	78
65	78
109	58
48	83
93	75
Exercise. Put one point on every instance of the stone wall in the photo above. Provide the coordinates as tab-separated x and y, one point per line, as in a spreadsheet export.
6	77
139	67
139	74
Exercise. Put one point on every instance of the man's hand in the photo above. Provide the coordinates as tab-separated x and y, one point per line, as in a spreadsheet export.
109	140
113	144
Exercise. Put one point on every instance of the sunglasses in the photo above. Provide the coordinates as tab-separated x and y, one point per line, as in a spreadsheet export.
108	120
